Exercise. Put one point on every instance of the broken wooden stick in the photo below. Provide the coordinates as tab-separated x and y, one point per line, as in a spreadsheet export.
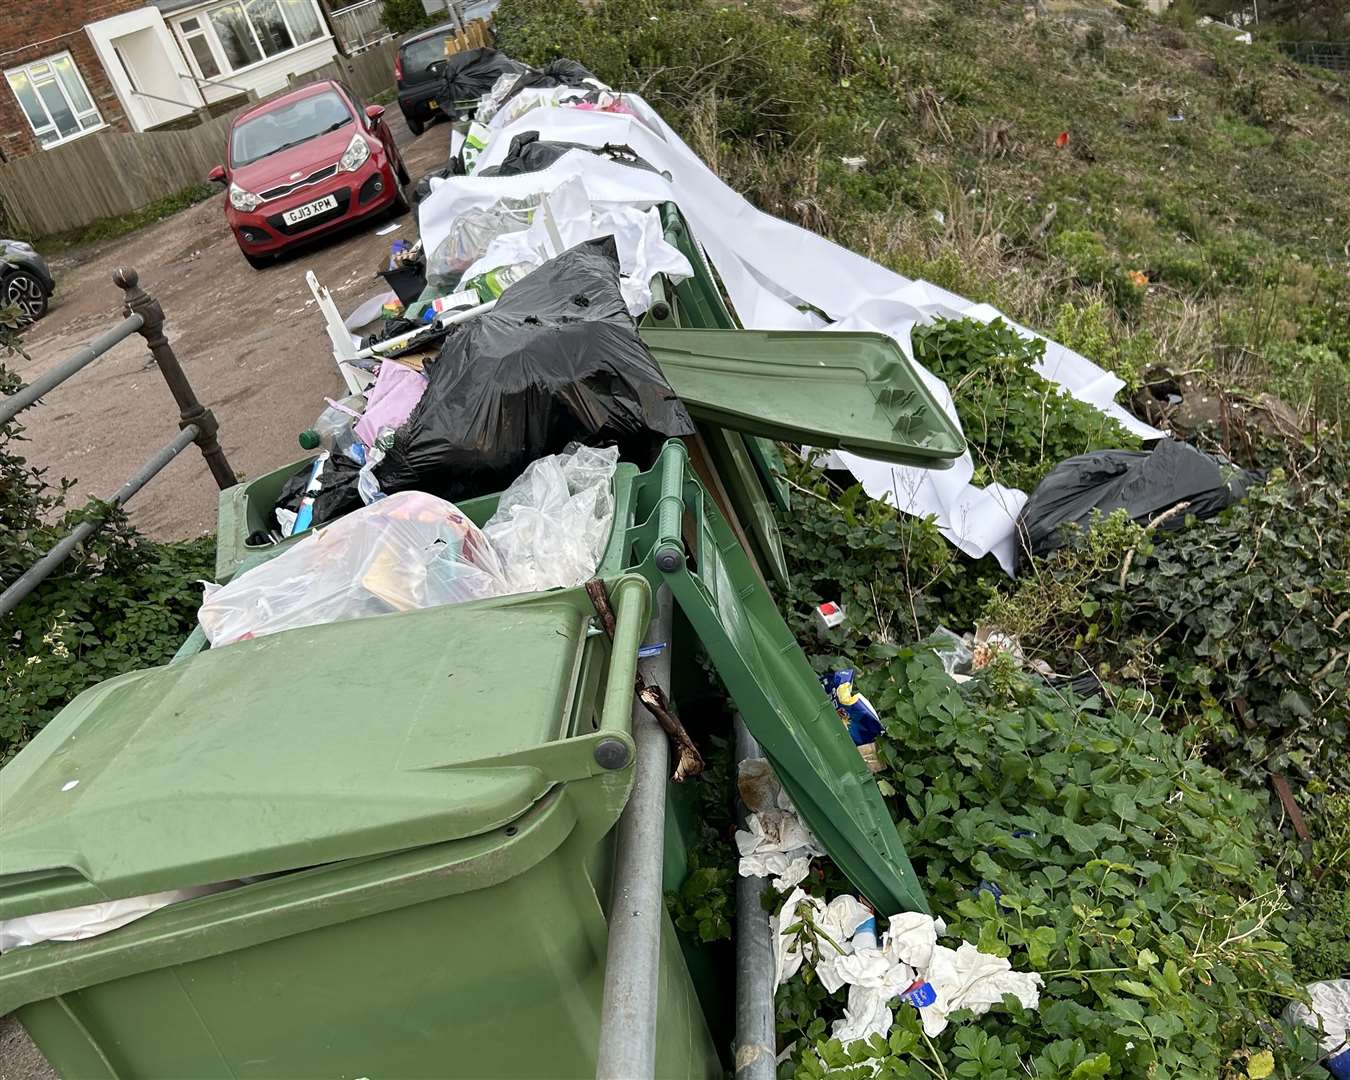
690	761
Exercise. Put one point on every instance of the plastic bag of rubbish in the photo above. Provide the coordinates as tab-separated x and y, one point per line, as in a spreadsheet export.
1331	1012
467	76
553	522
528	153
408	551
559	72
1142	482
494	99
558	360
335	496
474	230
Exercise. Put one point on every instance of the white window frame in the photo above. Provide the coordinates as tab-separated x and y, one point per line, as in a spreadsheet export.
93	110
204	32
207	27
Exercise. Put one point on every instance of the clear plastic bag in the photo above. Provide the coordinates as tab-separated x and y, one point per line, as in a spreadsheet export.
474	230
553	522
490	102
410	550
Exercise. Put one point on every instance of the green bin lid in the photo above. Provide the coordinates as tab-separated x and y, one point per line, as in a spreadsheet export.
305	747
839	390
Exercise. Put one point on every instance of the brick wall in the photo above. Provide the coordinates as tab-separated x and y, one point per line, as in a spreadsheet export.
33	29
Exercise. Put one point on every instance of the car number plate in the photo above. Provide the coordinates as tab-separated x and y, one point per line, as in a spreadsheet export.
431	104
309	210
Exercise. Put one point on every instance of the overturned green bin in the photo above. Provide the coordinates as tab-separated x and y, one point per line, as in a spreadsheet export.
411	817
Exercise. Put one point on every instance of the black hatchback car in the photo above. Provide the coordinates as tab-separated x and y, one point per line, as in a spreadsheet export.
417	84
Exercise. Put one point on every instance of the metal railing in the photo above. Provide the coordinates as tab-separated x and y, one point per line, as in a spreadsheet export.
197	424
1333	55
360	26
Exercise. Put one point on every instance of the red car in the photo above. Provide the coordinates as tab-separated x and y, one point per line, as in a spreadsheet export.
306	163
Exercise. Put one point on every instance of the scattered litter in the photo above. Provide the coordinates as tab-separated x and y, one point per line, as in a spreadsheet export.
775	842
829	616
1062	139
840	940
853	164
391	227
1331	1013
953	650
864	725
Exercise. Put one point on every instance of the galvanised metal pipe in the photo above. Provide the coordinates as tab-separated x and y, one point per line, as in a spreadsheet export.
756	1036
633	965
80	358
36	574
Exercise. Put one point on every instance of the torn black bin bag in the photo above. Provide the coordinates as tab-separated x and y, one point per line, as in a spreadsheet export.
338	496
1142	482
528	153
467	76
560	72
558	359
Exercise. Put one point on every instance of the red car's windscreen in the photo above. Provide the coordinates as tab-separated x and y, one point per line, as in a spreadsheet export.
287	125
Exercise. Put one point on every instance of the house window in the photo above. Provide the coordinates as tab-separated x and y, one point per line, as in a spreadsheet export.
54	98
200	47
251	31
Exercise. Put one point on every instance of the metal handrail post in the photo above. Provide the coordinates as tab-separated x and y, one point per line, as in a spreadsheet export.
633	963
191	411
756	1031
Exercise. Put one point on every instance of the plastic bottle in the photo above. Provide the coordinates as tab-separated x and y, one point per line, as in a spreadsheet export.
492	284
333	430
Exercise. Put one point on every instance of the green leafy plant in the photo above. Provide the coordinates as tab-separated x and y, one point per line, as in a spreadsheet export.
1080	841
119	603
1234	623
1018	424
404	16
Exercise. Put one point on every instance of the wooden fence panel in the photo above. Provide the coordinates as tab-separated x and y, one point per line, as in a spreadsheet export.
107	174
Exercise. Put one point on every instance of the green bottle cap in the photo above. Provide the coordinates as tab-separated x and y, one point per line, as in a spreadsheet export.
309	439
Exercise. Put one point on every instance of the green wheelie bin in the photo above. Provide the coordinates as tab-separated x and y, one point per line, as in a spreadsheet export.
411	818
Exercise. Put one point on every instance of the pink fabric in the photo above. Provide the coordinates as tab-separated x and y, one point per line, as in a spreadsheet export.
398	388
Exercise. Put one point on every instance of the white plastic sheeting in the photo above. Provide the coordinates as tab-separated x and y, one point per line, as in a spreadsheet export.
771	269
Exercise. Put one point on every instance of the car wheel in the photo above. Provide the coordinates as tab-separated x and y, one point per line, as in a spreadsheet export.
404	177
25	292
400	205
258	262
415	126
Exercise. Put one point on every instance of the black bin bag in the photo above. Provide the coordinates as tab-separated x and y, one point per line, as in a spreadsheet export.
467	76
559	359
1142	482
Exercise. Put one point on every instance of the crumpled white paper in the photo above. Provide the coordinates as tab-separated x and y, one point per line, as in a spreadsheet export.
908	957
775	841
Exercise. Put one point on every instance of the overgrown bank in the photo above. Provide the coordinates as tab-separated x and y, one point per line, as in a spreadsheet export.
1168	202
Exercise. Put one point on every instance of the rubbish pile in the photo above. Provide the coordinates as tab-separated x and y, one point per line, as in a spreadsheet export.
557	393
